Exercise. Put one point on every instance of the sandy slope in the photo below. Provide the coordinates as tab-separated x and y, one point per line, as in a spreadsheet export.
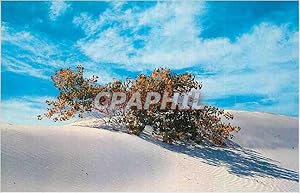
76	158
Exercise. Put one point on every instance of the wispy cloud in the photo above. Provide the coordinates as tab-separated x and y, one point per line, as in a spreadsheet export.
254	59
169	35
263	62
129	38
57	8
138	38
23	110
26	53
32	54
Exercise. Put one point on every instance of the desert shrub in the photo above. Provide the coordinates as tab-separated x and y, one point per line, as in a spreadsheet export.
76	94
205	125
202	125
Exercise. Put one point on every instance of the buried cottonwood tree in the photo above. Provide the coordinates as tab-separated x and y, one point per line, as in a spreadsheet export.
204	125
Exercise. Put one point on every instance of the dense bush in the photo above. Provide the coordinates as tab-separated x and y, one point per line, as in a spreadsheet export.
202	125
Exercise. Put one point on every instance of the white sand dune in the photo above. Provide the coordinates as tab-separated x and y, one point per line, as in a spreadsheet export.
77	158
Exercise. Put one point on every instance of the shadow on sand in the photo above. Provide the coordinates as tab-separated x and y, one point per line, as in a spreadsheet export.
241	162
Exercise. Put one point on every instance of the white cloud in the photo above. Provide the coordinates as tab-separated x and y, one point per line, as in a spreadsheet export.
31	54
109	48
26	41
175	40
26	53
255	82
172	29
57	8
263	61
18	66
24	110
104	73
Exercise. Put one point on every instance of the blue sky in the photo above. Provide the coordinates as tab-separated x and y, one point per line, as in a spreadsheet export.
244	53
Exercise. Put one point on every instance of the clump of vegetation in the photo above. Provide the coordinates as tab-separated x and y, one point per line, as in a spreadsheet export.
204	125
